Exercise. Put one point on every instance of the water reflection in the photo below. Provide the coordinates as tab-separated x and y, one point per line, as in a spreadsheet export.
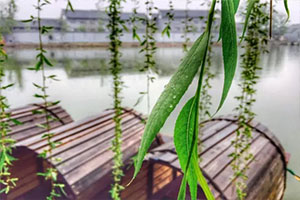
85	87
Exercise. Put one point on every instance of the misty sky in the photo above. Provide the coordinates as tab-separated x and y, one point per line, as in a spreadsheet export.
25	7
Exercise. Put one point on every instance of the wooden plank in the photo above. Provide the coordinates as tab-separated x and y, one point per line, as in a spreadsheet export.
65	128
59	136
262	159
221	172
215	151
205	125
168	157
221	151
161	171
96	150
140	180
227	132
219	137
90	137
266	180
129	173
29	117
216	128
35	132
88	173
62	132
25	109
137	190
33	121
164	147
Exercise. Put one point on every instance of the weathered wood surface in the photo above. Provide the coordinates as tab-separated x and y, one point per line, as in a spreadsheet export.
266	170
30	121
85	158
28	164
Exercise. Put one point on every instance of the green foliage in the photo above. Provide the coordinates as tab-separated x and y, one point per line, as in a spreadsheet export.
184	76
7	182
187	130
188	27
135	21
115	27
287	9
172	94
250	6
170	14
70	6
50	173
255	42
148	45
229	45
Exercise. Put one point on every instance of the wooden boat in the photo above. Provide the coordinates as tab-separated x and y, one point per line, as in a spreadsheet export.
85	158
161	175
28	164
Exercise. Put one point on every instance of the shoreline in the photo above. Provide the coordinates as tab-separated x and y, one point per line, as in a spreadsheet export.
106	45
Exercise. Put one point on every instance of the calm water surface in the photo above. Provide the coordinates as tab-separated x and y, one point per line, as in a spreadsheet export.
86	87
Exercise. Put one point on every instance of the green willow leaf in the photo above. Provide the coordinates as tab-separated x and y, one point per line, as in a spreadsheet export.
186	134
287	9
185	140
229	46
184	137
236	5
182	190
249	9
172	94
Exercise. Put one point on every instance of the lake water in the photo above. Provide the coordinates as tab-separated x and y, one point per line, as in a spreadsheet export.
86	88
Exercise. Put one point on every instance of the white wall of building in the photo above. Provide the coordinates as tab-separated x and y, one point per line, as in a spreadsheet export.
85	37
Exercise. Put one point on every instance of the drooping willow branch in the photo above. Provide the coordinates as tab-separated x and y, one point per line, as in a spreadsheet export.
187	27
168	25
135	21
7	182
255	43
149	47
115	27
50	173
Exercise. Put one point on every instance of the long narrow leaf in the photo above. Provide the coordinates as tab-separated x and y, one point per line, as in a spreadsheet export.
287	9
185	140
182	190
184	137
172	94
249	10
186	134
236	5
229	46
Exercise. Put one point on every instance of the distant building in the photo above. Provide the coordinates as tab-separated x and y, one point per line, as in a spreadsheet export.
93	20
33	26
85	20
198	18
90	27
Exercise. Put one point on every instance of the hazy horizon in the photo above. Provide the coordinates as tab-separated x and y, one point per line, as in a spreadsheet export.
26	7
